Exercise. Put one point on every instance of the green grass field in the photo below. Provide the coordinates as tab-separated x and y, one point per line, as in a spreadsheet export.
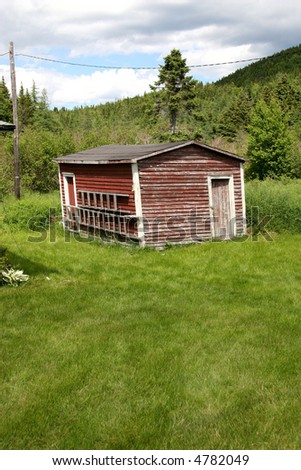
108	347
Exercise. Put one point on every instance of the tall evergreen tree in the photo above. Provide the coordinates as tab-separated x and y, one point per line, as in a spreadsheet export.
269	142
236	116
6	107
288	96
177	89
34	93
26	107
43	101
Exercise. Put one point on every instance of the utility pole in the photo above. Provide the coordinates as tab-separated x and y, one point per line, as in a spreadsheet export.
15	118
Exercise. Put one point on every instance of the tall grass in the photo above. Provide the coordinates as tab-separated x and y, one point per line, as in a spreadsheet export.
278	200
32	211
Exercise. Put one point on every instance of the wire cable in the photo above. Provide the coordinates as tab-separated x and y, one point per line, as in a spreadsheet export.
84	65
130	67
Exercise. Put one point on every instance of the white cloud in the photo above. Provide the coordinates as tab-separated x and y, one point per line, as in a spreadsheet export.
85	89
94	30
102	86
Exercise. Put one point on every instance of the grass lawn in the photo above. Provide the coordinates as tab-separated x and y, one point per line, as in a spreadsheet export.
109	347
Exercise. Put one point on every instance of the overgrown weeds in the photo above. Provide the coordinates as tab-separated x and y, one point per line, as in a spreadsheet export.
279	201
33	211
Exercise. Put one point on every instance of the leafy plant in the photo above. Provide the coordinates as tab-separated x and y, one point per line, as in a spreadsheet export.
9	275
13	277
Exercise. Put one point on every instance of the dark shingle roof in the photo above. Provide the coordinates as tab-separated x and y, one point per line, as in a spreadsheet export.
6	126
130	153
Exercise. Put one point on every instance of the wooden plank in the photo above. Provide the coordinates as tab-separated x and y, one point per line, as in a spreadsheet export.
221	208
178	185
111	179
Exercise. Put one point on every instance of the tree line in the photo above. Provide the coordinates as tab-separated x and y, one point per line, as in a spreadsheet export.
261	121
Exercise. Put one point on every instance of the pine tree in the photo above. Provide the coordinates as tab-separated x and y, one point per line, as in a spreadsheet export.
236	116
288	96
269	142
34	94
43	118
6	107
178	88
26	108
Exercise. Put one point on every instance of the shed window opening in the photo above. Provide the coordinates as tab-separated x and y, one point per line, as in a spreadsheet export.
103	201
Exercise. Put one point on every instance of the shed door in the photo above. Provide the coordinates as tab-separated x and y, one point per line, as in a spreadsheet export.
70	202
221	208
70	199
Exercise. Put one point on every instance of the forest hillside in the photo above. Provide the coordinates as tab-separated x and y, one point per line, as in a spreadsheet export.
287	61
254	112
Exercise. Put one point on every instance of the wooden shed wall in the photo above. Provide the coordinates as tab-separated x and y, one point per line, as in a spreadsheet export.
116	178
175	194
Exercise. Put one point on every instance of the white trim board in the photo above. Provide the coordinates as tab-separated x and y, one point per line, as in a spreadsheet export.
230	178
138	203
66	175
243	198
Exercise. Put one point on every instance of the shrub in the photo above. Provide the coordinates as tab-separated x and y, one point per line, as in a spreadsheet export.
269	145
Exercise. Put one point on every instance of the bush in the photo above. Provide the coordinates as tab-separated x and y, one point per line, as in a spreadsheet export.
280	199
37	149
33	211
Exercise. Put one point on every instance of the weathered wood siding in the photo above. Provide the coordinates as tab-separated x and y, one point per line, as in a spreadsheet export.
179	192
114	179
105	201
175	194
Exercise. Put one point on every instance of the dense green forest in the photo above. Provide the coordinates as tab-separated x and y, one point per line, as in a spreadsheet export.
287	61
255	112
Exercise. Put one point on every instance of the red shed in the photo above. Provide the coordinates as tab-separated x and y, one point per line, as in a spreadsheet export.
179	192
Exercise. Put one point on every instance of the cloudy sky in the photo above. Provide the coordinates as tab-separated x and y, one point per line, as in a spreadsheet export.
113	34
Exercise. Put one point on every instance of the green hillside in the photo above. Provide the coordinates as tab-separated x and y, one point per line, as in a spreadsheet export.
223	114
287	61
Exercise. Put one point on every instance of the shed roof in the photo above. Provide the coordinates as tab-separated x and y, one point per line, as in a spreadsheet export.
133	153
6	126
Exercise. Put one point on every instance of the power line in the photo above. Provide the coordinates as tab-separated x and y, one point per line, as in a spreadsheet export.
130	67
84	65
226	63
